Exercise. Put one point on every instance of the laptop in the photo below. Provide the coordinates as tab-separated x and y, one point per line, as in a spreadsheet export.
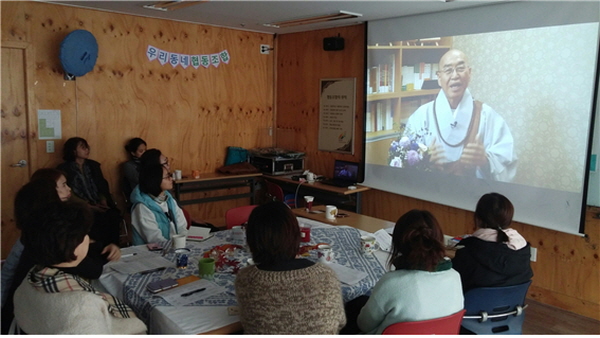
344	174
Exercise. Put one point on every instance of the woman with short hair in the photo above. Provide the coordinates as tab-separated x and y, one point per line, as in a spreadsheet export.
131	169
282	294
155	215
85	178
495	255
54	299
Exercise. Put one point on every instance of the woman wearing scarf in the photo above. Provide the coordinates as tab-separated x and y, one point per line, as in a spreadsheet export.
85	178
155	215
495	255
54	299
423	285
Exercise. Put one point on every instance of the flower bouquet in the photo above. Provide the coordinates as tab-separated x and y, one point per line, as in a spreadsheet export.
409	149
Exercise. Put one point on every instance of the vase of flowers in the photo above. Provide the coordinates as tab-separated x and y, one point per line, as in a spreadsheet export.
409	150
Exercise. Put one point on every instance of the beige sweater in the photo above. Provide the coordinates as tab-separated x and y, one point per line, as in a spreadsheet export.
302	301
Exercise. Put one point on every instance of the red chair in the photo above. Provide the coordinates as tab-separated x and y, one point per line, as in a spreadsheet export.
238	215
444	325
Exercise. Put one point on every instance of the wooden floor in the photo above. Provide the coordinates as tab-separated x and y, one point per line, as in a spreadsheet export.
544	319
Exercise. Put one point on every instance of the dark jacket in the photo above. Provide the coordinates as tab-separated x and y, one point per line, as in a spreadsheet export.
70	168
487	264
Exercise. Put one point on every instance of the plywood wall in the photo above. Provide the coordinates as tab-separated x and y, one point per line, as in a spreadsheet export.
192	115
567	272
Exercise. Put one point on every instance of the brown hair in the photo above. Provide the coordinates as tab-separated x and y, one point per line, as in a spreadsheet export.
50	174
494	211
273	233
62	227
417	242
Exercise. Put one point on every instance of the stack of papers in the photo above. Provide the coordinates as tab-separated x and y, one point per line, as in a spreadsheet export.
384	239
347	275
198	234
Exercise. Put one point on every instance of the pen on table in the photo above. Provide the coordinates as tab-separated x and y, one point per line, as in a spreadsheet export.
129	255
152	270
192	292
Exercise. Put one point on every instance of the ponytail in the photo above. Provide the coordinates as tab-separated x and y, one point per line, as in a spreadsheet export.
494	211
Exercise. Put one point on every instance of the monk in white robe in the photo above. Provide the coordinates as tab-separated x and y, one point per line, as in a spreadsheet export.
464	136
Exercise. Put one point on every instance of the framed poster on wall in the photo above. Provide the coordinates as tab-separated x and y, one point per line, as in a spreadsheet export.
336	115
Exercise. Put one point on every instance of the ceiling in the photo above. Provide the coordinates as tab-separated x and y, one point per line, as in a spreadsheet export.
251	15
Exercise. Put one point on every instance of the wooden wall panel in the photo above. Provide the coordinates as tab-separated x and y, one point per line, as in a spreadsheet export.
567	273
301	63
192	115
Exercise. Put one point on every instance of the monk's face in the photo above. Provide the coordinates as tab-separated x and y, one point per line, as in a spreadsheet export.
454	75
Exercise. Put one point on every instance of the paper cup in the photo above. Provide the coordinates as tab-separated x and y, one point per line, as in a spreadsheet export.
305	233
206	268
177	174
330	212
309	202
178	241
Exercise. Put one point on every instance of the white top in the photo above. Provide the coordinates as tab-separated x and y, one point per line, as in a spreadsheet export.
411	295
73	312
144	221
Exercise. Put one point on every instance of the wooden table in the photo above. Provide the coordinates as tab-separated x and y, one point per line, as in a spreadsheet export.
358	221
215	181
342	197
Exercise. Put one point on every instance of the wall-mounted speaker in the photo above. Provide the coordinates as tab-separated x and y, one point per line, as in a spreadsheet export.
333	43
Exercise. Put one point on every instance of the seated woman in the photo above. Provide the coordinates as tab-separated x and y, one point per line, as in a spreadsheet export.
155	216
47	186
54	299
282	294
131	169
85	178
422	286
495	255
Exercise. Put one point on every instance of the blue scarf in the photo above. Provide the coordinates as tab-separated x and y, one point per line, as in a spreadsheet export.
162	220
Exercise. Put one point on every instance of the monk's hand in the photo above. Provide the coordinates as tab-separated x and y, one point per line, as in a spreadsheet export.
437	154
114	253
473	154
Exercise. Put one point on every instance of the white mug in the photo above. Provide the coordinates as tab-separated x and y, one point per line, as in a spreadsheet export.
177	174
178	241
331	211
310	177
325	253
368	244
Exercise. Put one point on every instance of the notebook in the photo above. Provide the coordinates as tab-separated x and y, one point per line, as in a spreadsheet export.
344	174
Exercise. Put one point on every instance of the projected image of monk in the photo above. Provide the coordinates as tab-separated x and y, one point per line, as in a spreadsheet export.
457	134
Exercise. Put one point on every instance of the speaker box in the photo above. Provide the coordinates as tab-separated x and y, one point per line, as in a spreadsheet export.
333	43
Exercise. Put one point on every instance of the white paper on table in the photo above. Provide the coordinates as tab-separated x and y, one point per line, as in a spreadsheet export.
390	230
384	239
347	275
174	297
141	263
198	233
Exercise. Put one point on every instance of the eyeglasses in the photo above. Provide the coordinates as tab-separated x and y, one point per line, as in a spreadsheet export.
460	69
169	176
165	164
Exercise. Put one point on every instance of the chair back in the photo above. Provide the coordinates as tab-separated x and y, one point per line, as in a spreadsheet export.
445	325
275	191
238	215
495	310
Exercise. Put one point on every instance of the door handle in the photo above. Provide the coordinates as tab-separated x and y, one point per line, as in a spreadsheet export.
22	163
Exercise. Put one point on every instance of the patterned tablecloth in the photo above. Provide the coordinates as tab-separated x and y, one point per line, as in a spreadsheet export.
344	240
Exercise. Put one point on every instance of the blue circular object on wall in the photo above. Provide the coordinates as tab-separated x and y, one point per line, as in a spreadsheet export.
78	52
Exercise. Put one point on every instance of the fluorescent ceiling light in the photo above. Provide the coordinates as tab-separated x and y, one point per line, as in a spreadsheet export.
307	21
172	5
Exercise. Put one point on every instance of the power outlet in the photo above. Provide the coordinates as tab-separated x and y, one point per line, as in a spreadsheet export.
49	147
533	254
264	49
